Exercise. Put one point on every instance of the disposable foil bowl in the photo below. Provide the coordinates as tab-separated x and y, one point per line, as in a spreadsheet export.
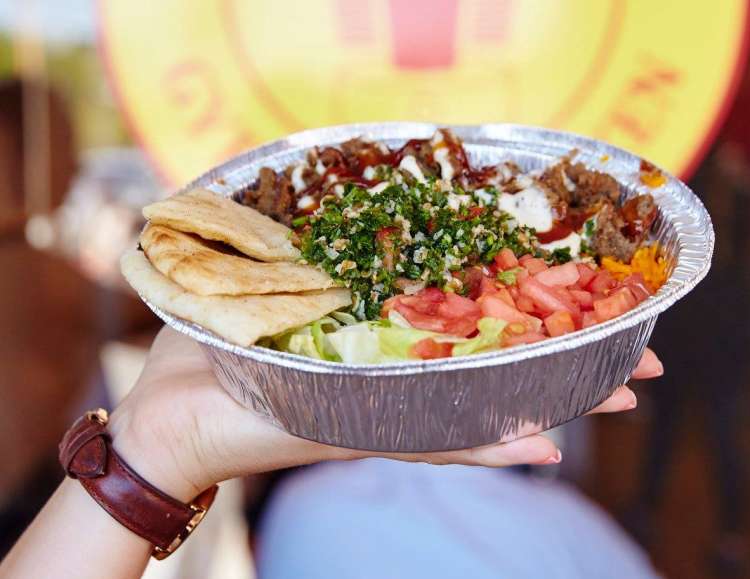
468	401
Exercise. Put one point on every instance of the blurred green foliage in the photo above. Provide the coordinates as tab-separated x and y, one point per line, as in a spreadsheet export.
6	56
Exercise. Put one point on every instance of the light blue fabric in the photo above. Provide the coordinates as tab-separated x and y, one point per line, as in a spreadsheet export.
379	519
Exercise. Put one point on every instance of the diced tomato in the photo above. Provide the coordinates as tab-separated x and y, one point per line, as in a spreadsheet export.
487	287
515	328
612	306
639	293
562	292
559	275
437	311
586	273
385	233
524	258
506	259
628	295
638	286
472	278
570	303
429	349
525	304
589	319
583	298
559	323
473	212
495	307
534	265
419	320
384	238
544	301
460	314
423	302
602	282
544	297
527	338
504	295
521	273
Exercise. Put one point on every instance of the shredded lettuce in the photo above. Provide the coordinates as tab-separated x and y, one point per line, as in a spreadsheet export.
487	339
508	277
345	318
397	342
358	344
310	340
332	338
396	319
303	344
321	341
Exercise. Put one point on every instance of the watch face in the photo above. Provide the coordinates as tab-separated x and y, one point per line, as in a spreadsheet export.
201	80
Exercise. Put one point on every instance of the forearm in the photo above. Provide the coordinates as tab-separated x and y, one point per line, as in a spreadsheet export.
73	537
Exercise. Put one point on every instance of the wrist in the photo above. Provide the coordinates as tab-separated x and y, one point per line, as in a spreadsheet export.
156	455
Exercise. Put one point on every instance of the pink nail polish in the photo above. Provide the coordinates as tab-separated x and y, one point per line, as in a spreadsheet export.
658	371
554	459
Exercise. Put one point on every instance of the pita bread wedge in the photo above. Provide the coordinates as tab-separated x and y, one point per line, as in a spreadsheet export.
214	217
241	320
202	270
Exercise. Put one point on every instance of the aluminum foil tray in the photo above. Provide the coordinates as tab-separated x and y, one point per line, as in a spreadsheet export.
468	401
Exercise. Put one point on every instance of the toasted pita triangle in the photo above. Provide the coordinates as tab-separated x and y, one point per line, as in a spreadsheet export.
218	218
203	270
241	320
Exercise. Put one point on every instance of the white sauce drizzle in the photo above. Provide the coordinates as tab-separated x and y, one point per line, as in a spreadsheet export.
297	181
455	201
446	168
305	202
382	186
483	196
569	185
409	163
573	241
504	171
530	207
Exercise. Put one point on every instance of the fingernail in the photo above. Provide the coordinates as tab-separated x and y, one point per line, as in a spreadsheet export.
633	401
554	459
658	371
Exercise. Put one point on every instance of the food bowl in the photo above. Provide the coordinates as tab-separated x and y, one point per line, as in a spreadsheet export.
462	402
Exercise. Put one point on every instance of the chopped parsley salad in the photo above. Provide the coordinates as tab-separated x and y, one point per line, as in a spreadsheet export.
443	259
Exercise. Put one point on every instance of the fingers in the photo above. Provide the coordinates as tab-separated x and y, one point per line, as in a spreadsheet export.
535	449
649	367
623	399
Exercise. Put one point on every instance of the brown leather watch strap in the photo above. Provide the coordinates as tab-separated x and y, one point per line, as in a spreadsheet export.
86	453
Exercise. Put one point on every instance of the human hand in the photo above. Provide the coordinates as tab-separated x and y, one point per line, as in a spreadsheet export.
182	432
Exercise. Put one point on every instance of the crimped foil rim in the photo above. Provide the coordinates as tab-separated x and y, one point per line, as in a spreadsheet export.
695	238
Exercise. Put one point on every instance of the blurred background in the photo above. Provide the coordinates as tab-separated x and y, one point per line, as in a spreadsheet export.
106	106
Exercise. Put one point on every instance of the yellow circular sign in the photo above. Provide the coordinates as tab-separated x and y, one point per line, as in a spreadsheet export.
201	80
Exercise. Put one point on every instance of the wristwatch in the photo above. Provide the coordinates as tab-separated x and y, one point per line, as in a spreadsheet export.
86	454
